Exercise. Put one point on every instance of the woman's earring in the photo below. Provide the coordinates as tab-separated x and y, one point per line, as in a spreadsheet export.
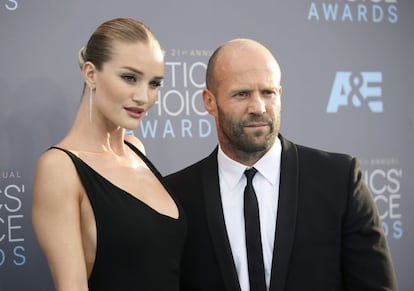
90	102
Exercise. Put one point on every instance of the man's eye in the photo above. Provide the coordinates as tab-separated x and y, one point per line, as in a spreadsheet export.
269	93
241	94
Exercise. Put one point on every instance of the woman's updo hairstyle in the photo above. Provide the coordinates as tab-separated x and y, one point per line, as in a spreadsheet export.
99	47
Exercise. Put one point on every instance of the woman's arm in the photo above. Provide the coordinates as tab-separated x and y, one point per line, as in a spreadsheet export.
56	220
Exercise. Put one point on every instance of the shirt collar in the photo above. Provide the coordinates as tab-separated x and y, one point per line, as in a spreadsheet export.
231	172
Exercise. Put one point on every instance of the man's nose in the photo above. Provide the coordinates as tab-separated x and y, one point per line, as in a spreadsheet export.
256	104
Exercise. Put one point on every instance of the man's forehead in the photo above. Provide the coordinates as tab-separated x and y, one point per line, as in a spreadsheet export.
250	78
265	74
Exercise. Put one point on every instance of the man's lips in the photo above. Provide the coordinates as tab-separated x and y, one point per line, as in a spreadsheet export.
256	124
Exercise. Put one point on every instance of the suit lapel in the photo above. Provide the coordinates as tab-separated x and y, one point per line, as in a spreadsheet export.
286	216
216	224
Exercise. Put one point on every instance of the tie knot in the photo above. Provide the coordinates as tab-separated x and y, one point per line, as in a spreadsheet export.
250	174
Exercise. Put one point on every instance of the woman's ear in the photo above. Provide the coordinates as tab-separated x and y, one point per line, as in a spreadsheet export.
89	74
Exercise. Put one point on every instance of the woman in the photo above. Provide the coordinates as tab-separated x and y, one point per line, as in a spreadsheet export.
100	210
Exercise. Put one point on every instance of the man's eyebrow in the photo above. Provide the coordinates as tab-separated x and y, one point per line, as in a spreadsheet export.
241	90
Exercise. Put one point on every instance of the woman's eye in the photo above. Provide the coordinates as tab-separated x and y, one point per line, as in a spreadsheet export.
155	84
129	78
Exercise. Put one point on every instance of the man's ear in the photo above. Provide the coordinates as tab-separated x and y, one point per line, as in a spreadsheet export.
89	74
210	102
280	91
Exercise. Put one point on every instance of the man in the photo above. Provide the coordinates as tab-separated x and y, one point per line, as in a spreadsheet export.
319	228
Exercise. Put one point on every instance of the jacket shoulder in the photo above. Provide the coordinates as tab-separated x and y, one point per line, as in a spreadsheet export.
315	160
195	168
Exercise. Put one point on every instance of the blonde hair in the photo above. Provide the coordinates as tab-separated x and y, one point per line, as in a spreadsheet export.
99	47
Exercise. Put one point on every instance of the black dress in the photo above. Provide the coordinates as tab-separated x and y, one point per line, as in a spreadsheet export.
137	247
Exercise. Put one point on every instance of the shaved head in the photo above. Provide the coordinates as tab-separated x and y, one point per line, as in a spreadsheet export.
243	94
230	53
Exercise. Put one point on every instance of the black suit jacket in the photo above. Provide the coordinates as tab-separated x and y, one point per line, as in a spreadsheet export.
328	232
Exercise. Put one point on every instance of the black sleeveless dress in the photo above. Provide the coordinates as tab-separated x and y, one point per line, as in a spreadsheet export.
138	249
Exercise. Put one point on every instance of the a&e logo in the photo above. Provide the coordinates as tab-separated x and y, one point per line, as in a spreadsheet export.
359	89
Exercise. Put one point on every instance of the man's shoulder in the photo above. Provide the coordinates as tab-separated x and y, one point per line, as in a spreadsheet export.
316	158
323	153
306	151
195	168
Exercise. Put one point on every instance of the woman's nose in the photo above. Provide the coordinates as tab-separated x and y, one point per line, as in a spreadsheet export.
141	94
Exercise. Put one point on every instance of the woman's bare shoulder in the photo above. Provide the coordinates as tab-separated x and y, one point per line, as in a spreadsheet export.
136	142
55	172
54	159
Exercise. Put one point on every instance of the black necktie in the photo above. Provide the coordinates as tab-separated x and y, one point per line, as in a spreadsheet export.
253	237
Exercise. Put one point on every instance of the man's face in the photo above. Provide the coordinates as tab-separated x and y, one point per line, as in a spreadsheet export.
247	103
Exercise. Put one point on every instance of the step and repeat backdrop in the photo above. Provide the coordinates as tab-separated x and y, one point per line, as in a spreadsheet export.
347	74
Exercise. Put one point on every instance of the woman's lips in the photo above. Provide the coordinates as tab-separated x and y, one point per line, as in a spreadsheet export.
135	112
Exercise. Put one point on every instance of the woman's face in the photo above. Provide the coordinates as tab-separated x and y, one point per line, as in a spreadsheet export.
128	84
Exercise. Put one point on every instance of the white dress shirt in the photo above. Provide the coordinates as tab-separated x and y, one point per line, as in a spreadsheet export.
266	185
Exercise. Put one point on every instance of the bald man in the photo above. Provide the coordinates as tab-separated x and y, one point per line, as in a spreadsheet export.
315	225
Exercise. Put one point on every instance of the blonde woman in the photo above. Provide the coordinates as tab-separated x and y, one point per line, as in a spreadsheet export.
101	212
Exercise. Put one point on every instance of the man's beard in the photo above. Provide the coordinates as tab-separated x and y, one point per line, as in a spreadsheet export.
249	143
